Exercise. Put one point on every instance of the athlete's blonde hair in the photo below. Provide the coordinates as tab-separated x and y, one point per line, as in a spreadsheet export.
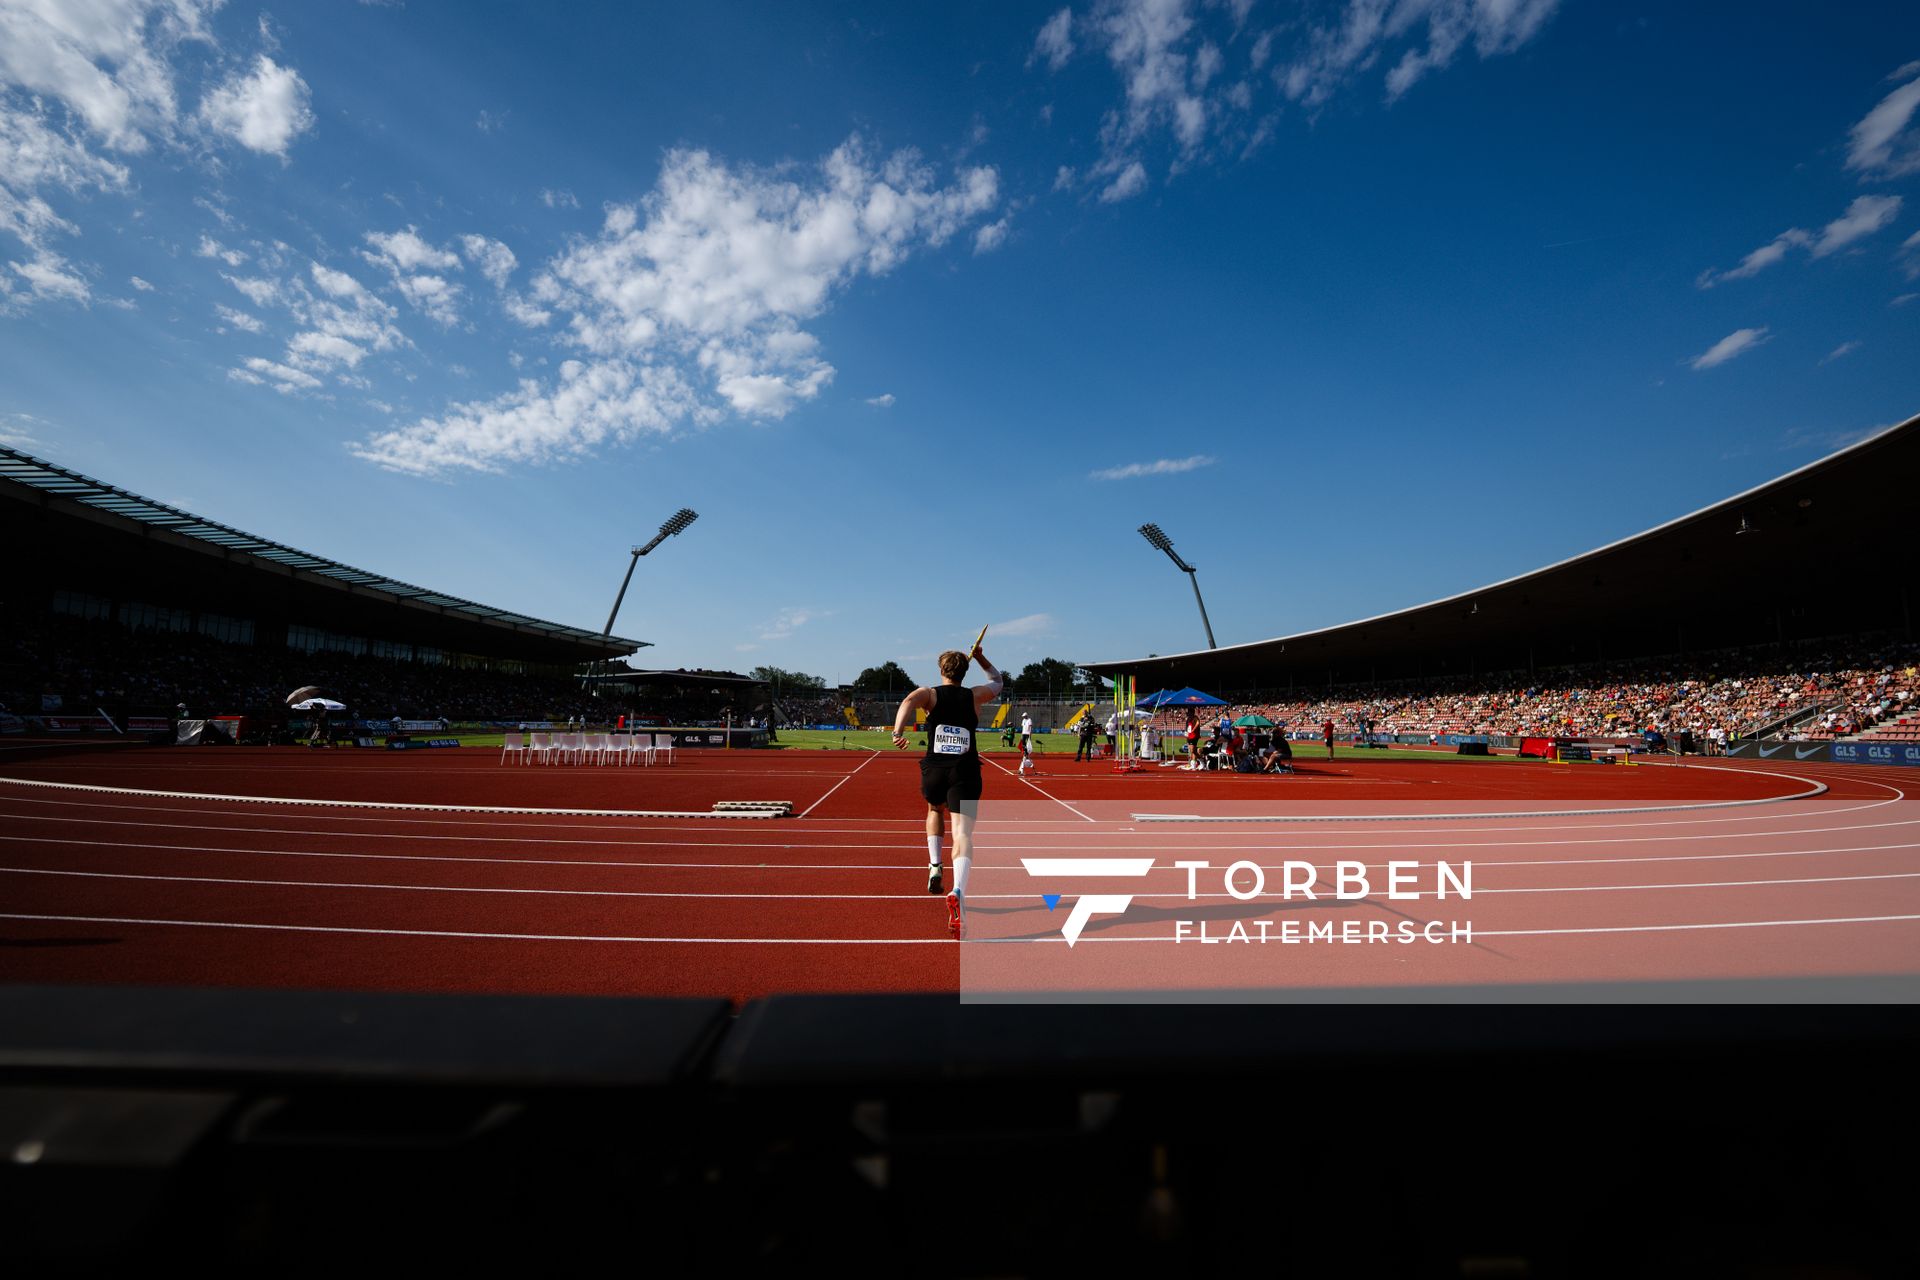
953	664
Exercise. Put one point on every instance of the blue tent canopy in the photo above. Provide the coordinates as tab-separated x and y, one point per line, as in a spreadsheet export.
1190	698
1154	699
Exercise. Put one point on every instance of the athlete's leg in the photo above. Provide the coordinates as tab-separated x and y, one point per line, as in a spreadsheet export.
964	813
935	816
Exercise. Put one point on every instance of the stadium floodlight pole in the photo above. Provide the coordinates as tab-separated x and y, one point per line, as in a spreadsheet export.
675	523
1152	533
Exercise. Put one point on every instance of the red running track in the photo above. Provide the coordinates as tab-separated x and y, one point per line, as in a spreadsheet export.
203	889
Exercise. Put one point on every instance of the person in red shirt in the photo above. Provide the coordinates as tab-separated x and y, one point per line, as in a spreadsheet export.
1326	731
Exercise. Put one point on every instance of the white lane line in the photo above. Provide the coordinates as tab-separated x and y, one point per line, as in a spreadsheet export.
462	934
1676	928
1816	788
896	866
843	782
405	806
1056	799
456	888
896	897
867	825
844	942
792	838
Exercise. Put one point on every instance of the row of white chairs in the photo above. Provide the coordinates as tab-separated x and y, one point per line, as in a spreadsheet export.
579	748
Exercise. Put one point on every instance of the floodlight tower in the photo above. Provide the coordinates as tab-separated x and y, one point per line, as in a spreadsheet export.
1153	534
675	523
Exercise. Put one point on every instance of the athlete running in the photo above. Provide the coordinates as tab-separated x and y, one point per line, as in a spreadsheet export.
1026	743
950	779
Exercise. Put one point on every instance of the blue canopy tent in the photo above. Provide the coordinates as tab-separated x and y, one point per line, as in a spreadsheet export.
1191	698
1154	699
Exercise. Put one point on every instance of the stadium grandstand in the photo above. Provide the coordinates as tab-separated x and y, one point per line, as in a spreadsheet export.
129	607
1786	610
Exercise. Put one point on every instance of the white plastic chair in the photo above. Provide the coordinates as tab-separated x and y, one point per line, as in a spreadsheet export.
600	746
663	742
642	747
564	745
513	744
539	747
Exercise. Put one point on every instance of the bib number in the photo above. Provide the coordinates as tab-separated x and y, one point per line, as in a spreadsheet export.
951	739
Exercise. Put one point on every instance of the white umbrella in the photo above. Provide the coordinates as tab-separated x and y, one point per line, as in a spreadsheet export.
319	704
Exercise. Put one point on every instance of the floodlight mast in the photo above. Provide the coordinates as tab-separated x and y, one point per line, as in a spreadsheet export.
1158	539
674	524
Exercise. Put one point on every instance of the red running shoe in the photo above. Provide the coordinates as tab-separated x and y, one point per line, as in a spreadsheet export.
956	916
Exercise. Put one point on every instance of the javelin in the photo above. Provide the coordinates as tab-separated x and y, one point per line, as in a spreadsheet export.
974	652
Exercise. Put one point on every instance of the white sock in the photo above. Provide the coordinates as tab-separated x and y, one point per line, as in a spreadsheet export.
961	866
933	851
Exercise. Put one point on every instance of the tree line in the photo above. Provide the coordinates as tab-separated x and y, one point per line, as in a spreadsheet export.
1049	677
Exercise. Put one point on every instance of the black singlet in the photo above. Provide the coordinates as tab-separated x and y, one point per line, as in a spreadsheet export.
951	726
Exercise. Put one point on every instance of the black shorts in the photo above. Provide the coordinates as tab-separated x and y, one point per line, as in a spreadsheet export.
949	782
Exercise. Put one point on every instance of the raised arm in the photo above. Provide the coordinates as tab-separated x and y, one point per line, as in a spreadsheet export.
920	699
985	693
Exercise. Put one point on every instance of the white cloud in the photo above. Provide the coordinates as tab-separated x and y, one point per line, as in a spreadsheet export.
142	285
50	276
316	350
525	312
1159	467
1055	41
588	406
883	401
1131	182
1865	216
495	260
340	321
211	248
1735	343
260	291
412	262
403	251
263	111
559	199
788	621
1775	250
991	236
1844	349
1910	256
282	378
78	79
1369	29
1883	144
690	303
16	429
1034	624
239	319
491	121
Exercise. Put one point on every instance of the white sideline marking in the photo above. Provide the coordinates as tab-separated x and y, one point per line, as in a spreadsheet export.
746	815
1036	786
843	782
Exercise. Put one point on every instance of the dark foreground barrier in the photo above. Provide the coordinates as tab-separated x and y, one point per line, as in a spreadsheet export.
885	1135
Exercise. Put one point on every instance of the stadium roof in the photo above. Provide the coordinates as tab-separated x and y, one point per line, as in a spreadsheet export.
46	477
1827	549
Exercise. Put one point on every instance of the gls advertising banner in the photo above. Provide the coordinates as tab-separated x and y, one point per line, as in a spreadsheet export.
1907	753
1876	753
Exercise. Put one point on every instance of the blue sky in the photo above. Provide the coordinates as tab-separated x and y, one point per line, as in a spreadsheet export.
926	309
